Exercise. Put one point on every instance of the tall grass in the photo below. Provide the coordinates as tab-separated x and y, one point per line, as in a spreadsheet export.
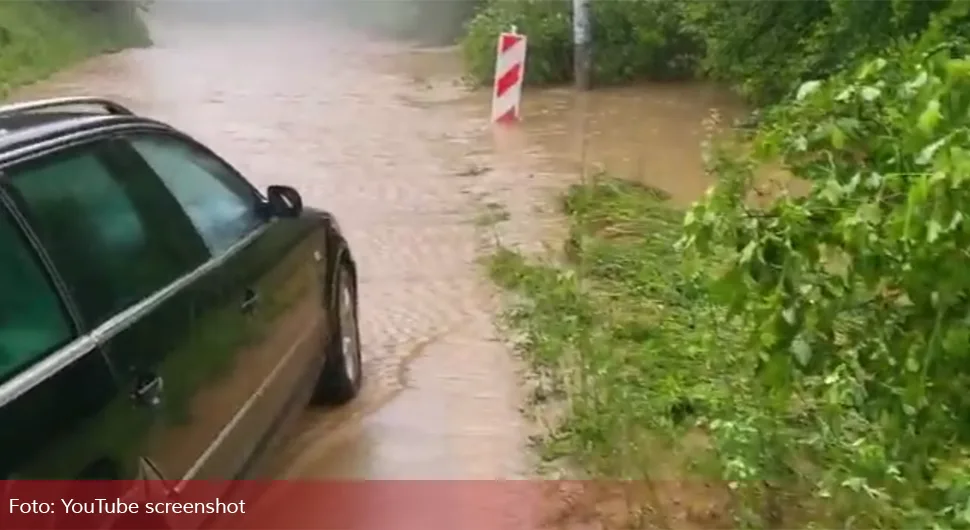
38	38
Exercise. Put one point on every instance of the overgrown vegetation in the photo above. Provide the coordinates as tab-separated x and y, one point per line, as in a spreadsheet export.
634	38
764	49
38	38
623	335
619	330
819	342
855	296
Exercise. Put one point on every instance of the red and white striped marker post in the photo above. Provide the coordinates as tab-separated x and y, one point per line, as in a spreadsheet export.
509	72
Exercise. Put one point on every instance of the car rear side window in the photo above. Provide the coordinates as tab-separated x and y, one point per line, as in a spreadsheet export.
99	224
32	321
222	208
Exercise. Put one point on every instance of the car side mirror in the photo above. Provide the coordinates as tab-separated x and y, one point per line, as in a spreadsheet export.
283	201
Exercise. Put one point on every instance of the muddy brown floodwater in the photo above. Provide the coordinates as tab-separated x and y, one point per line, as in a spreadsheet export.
386	138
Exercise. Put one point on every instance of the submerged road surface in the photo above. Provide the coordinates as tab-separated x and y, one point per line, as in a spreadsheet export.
387	139
326	112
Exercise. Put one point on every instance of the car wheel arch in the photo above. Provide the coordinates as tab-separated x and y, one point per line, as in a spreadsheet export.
340	259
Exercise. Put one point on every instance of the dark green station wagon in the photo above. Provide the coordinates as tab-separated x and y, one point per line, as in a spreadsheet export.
161	318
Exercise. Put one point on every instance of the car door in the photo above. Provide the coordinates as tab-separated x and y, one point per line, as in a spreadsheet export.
56	390
110	257
260	293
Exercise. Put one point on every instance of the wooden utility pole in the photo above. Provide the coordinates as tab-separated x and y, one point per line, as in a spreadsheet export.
582	44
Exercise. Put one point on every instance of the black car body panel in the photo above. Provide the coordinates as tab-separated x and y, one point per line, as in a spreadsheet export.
178	354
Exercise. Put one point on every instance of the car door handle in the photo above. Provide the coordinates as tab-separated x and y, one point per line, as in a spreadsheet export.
250	300
149	392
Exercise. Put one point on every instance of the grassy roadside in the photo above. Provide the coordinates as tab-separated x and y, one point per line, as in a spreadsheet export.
651	384
622	337
836	395
38	38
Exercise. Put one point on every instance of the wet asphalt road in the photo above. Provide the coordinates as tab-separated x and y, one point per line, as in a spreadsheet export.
327	113
385	137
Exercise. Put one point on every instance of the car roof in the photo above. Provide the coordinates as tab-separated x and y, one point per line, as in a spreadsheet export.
34	122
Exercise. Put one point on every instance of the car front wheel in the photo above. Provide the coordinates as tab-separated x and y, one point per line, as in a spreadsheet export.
342	374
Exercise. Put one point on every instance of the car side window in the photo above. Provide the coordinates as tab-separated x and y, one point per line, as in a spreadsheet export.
33	322
96	222
222	208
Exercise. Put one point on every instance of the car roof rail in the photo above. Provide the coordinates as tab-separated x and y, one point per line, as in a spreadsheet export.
43	104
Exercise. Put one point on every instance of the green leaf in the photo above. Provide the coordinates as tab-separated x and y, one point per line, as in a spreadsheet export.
689	218
870	93
874	181
930	117
748	252
871	68
933	229
926	154
869	213
957	341
838	137
919	82
955	222
789	315
807	88
832	192
958	68
912	364
801	350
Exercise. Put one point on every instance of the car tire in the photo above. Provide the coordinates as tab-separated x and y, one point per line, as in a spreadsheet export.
342	374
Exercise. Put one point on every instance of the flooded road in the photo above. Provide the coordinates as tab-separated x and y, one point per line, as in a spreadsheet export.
386	138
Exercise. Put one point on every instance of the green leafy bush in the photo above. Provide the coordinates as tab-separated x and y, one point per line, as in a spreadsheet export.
821	338
634	39
762	48
766	49
856	295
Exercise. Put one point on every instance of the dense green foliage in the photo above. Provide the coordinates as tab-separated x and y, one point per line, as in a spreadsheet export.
819	340
856	296
634	39
38	38
762	48
766	49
